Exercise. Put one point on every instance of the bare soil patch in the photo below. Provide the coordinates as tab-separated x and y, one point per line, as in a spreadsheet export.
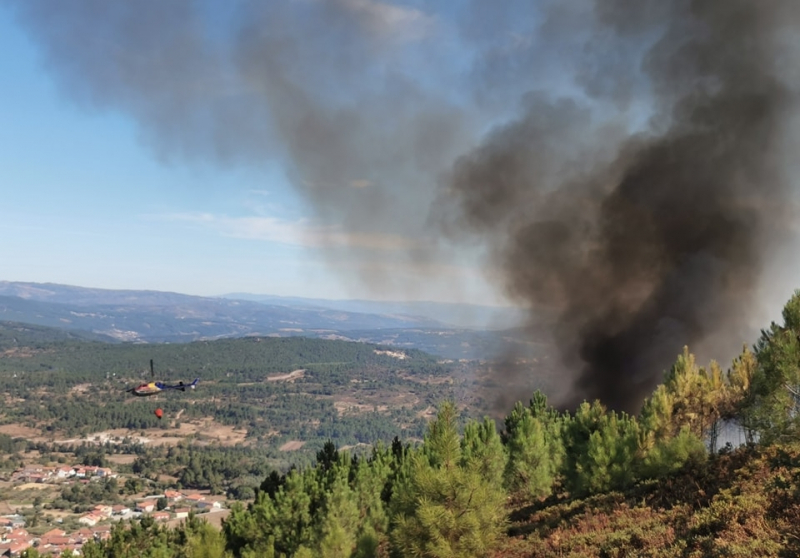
19	431
396	354
292	445
213	518
429	412
291	376
208	430
80	388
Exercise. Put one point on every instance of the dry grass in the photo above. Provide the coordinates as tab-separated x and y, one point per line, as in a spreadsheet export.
121	458
33	486
292	445
19	431
215	518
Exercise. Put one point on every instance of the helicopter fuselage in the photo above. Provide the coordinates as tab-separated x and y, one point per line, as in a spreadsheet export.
157	387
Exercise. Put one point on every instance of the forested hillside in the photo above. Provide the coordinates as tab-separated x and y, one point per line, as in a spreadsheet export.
14	335
590	482
273	390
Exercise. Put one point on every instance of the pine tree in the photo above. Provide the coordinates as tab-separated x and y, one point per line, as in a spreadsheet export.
776	383
340	518
578	431
530	470
611	452
280	524
442	509
483	451
369	480
741	393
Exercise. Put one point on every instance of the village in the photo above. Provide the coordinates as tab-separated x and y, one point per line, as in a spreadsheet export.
169	506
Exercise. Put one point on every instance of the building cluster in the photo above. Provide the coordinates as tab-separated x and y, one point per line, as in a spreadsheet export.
40	473
16	540
149	506
173	497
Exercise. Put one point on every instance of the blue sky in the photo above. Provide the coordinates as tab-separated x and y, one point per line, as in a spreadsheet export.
86	201
145	146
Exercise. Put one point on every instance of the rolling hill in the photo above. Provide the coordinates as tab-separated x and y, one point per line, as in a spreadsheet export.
162	317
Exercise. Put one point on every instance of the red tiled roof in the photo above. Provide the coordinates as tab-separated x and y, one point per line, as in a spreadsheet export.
60	540
18	547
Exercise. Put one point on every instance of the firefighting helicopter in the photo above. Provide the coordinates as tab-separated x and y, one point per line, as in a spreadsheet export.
154	387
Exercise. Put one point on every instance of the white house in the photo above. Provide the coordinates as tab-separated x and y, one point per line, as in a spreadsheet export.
146	506
182	513
89	519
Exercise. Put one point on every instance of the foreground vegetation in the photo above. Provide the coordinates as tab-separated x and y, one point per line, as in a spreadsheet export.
591	482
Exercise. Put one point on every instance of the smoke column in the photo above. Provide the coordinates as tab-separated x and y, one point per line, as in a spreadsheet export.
662	242
632	181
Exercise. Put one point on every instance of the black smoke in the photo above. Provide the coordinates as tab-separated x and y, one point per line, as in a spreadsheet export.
661	243
632	182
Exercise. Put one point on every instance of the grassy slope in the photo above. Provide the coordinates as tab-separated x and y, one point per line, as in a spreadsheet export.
746	503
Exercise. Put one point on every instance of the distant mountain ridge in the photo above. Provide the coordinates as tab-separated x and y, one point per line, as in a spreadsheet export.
459	315
165	317
170	317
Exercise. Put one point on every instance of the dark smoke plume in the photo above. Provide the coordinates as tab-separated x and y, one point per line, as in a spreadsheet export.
661	244
635	186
